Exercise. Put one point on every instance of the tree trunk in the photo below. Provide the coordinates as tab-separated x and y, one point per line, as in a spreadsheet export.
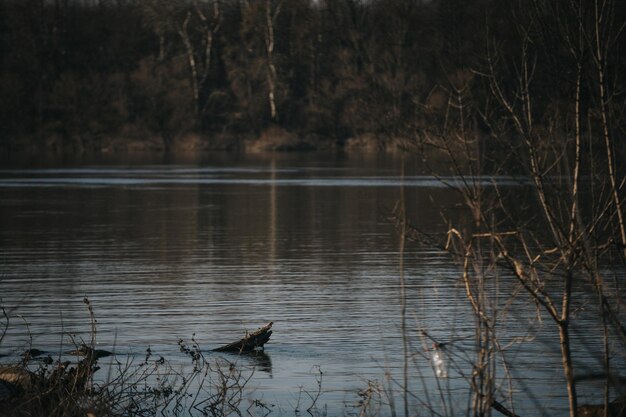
271	68
568	367
600	61
182	31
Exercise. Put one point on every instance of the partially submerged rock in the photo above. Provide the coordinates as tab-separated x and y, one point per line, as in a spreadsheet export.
14	379
33	353
17	375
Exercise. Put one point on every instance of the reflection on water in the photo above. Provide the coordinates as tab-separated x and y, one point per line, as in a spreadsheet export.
256	359
212	248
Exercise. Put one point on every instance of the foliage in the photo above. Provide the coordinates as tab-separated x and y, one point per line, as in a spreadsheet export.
83	71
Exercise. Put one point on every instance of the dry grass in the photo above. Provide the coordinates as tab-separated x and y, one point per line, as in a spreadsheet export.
33	387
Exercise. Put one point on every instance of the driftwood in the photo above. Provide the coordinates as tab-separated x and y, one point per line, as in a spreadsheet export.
250	342
89	352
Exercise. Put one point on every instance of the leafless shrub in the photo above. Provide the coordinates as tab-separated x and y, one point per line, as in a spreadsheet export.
154	386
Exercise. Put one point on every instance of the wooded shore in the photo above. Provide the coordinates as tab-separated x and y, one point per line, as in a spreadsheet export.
172	75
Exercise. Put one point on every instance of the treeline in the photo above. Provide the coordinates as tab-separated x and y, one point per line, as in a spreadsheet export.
82	71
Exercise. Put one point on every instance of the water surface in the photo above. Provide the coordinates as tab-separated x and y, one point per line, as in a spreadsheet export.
212	247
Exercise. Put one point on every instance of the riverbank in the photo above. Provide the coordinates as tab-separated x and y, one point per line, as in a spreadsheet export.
273	139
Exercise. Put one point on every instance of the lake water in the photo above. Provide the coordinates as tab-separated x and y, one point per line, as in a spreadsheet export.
165	249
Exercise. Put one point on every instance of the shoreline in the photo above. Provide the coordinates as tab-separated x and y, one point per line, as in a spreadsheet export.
273	139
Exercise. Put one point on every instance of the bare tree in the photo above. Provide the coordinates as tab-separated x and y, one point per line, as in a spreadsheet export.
200	57
270	21
196	24
549	110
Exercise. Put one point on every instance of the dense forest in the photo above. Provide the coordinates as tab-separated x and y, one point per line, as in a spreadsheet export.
99	74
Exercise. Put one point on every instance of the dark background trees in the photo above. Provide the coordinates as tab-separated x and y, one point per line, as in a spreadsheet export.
80	71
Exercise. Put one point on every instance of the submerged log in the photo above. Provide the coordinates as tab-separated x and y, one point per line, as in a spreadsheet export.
250	342
89	352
